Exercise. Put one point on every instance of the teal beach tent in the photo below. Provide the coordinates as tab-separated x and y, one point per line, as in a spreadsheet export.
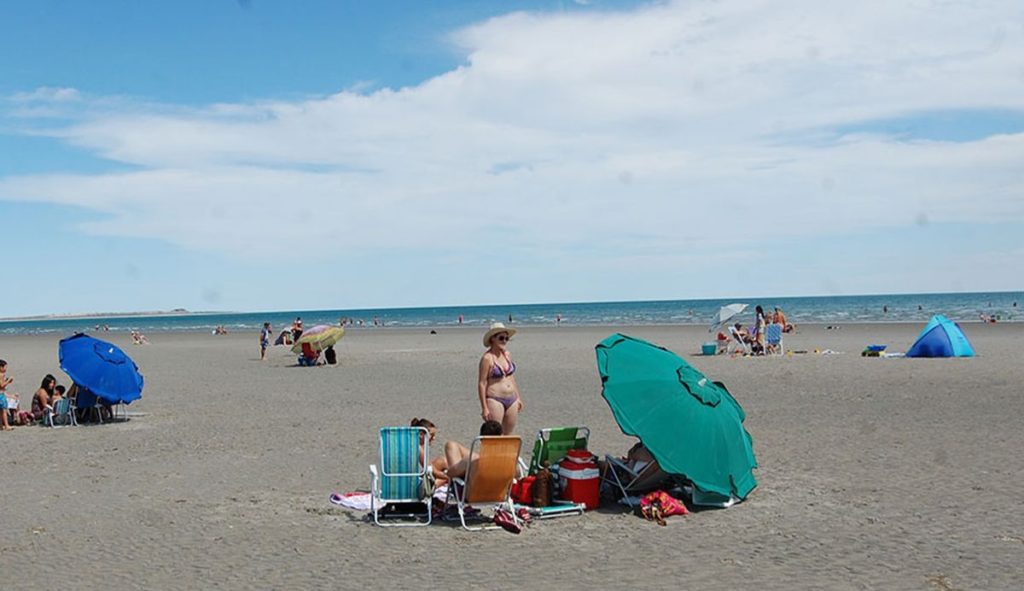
941	337
692	426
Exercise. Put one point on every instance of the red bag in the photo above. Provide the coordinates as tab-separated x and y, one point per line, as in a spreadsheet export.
658	505
522	490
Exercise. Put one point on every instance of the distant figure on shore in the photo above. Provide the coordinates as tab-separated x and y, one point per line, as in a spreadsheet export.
220	330
988	319
330	355
460	319
264	340
297	328
780	318
5	381
885	309
285	338
497	387
510	318
139	339
558	319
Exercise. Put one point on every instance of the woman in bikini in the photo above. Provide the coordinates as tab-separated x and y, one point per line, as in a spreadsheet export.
497	388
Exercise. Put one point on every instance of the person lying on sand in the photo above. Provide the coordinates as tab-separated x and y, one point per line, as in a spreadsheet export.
457	455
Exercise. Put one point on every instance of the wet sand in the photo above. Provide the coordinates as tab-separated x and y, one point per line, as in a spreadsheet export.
874	473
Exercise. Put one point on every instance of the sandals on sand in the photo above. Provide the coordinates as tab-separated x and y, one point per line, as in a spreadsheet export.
507	521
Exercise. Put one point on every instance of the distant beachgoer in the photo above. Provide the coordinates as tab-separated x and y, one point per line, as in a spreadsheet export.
285	338
297	328
780	318
760	324
330	356
558	318
264	340
885	309
5	381
460	319
457	455
496	387
919	307
988	319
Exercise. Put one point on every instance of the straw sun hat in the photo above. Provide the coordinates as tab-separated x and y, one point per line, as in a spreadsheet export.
497	328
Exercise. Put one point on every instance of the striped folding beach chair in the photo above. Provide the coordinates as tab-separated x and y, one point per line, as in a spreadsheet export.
63	413
773	339
402	478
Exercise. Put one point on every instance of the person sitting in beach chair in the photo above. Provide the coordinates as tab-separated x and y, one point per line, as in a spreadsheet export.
439	464
636	473
483	475
740	338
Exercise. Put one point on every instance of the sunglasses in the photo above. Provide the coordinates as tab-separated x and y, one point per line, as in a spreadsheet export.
502	338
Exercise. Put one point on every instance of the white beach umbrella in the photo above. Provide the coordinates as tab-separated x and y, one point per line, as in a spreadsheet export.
725	314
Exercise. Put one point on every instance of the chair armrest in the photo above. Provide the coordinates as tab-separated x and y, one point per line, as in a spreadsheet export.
620	464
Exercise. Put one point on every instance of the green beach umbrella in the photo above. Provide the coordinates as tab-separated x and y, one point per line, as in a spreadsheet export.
692	426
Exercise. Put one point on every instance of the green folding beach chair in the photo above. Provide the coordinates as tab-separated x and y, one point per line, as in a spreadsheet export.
553	443
403	478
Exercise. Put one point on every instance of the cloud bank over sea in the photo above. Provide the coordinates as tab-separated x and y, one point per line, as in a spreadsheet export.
670	134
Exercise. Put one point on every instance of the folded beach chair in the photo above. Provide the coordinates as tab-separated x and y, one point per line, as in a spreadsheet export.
63	413
633	482
488	479
553	443
773	339
736	342
403	478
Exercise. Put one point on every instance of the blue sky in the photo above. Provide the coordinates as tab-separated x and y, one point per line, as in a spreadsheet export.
221	154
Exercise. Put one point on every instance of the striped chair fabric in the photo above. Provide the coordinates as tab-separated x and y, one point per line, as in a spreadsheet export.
401	471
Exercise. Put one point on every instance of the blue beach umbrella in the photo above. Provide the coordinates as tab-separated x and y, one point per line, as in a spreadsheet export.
102	368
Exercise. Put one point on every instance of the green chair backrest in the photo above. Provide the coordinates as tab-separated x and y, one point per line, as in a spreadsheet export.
402	467
552	445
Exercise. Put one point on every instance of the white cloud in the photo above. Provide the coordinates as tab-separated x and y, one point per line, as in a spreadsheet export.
649	130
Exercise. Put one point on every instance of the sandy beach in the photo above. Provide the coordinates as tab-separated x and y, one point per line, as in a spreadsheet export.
874	473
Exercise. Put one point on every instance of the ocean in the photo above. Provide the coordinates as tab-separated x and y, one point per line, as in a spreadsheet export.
966	307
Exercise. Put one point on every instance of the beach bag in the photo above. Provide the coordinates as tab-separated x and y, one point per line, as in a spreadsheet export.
522	490
542	487
658	505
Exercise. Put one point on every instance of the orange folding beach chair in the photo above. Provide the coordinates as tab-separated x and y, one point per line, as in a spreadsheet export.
488	479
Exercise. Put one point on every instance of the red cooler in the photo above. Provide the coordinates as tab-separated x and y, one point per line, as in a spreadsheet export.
579	478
